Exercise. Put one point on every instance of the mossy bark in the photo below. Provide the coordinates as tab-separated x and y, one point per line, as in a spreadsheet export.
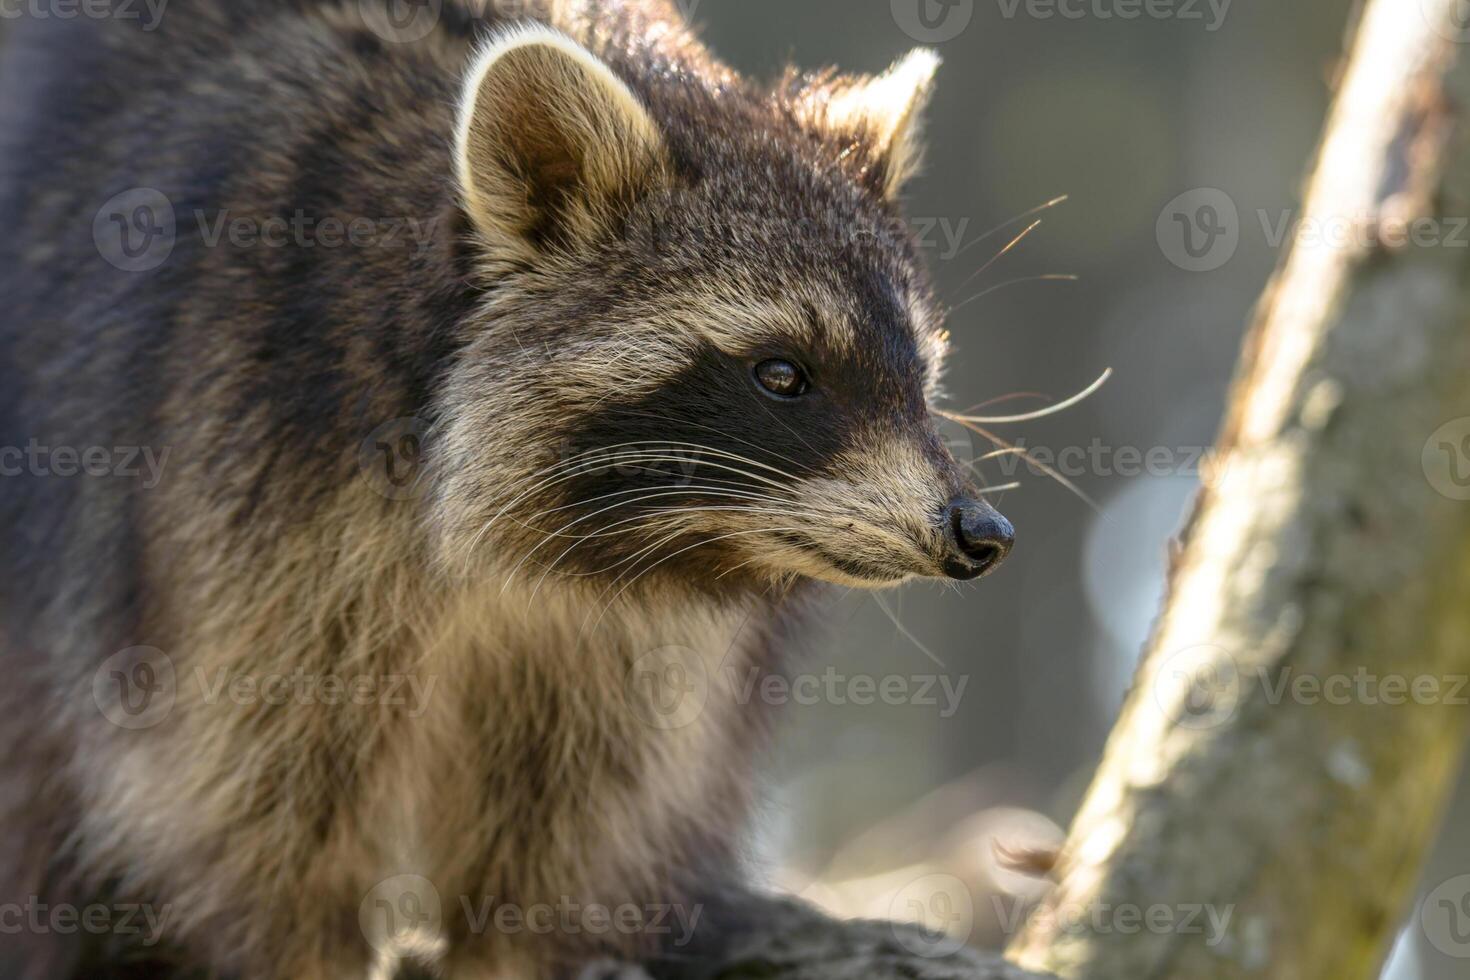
1287	750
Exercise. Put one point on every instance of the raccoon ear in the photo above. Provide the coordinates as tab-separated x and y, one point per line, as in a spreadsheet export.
550	142
886	109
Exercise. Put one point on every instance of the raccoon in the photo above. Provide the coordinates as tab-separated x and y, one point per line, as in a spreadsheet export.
408	413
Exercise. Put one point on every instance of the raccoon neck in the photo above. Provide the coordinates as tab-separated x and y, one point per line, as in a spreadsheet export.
634	705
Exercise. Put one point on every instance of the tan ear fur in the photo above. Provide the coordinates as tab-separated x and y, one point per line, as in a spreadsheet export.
886	109
549	143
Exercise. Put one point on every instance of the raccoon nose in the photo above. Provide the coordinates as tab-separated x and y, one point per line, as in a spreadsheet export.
979	538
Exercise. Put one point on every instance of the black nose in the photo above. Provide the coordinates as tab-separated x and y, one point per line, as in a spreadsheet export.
979	538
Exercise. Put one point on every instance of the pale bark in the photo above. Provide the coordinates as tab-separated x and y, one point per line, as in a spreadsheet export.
1328	545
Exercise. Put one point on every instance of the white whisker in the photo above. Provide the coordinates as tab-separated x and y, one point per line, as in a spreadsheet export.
905	631
699	544
1049	277
1075	400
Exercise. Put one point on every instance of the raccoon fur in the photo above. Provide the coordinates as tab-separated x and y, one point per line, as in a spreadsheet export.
408	414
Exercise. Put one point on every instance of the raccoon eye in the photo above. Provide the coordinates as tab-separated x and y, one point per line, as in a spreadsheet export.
781	378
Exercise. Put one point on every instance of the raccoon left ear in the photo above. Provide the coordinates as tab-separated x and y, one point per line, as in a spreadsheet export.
887	110
550	142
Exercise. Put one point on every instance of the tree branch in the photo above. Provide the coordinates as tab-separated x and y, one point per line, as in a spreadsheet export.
794	941
1268	766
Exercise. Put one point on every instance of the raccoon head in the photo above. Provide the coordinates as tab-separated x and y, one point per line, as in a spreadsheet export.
708	347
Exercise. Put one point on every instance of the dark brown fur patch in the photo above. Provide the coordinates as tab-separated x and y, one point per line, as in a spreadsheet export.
268	382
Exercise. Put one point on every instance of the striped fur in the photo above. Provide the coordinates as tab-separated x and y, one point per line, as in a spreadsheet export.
429	456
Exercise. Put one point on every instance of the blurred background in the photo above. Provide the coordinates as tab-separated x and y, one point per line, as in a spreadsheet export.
934	727
933	721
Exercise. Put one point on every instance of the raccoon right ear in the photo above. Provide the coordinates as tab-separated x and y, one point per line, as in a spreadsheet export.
886	109
550	143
